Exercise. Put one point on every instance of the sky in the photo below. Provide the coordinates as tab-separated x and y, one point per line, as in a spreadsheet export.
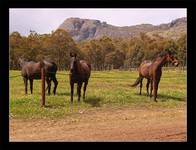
45	20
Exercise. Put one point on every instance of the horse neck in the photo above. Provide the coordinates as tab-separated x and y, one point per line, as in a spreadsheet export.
78	68
160	61
22	63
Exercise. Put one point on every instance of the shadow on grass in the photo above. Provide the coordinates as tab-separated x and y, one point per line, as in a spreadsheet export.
63	94
93	101
143	94
163	97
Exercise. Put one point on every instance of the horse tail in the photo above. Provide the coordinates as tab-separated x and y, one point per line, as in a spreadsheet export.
137	81
89	65
55	66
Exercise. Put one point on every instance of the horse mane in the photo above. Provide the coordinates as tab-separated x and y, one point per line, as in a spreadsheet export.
160	54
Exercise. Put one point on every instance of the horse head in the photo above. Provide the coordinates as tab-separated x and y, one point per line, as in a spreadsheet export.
21	62
73	62
171	58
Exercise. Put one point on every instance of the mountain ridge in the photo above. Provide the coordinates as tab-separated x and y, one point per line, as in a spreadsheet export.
85	29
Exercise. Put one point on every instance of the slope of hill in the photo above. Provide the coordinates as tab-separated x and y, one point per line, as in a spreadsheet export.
85	29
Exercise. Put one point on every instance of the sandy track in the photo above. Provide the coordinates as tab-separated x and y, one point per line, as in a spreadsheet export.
111	124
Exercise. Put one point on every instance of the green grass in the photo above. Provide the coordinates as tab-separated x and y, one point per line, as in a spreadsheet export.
105	89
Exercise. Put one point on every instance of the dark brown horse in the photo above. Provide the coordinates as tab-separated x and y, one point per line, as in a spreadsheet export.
80	71
32	70
152	71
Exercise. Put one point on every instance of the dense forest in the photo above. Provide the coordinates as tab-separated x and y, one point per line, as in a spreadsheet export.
103	53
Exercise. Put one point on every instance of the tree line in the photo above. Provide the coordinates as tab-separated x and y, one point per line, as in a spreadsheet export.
103	53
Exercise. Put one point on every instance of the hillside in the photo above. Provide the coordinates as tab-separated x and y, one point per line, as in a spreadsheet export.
85	29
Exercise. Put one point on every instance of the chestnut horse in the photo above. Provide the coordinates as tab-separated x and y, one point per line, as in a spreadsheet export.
32	70
80	71
152	71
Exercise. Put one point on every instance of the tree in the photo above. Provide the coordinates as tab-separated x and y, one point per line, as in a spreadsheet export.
182	49
60	44
15	42
137	56
101	53
115	58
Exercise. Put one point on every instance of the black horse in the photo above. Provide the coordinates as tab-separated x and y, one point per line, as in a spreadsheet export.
80	71
32	70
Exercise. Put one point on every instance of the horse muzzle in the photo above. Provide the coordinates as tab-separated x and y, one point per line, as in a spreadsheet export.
176	64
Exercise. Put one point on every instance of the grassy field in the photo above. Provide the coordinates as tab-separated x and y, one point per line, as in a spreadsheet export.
105	89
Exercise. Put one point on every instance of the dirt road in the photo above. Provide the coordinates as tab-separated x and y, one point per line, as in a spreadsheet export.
108	124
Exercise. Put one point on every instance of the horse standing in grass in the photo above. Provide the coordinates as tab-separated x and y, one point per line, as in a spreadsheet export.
80	71
152	71
32	70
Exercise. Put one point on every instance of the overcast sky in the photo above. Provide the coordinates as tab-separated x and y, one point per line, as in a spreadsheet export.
46	20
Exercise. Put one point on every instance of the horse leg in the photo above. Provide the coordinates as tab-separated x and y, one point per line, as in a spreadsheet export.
48	85
141	86
85	85
26	84
147	86
155	85
79	90
151	87
55	85
72	90
31	85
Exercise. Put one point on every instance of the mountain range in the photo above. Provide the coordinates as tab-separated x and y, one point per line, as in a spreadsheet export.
87	29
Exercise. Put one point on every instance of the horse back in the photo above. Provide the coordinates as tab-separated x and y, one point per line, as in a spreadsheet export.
85	67
145	68
31	70
50	67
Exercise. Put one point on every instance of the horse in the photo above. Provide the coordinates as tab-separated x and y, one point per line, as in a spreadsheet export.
80	71
152	71
32	70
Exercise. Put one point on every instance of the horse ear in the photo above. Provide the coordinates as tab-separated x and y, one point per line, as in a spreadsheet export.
20	59
71	55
